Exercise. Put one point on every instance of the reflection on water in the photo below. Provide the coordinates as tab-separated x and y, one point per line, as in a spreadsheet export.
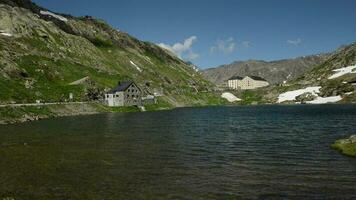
263	152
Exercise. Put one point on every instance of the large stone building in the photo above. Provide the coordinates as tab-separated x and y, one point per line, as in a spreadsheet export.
246	83
125	94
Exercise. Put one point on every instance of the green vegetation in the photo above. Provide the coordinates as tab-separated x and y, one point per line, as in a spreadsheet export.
160	105
250	97
346	146
98	42
21	114
44	58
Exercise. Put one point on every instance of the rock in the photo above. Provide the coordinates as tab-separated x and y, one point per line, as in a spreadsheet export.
306	97
346	146
353	139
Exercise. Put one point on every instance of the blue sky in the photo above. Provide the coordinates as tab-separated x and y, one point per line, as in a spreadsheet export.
211	33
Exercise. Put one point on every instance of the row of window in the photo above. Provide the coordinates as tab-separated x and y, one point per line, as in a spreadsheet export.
113	95
132	90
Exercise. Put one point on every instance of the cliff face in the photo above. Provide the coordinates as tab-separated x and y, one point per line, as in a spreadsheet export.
42	52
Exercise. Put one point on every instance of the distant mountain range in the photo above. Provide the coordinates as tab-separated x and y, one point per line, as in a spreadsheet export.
274	71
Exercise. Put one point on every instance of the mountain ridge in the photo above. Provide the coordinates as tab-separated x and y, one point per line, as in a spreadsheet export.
275	72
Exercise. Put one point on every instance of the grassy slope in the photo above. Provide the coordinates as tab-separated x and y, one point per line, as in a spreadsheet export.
345	146
45	55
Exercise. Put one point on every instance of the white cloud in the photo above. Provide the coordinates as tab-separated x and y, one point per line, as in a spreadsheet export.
192	56
183	50
296	42
225	46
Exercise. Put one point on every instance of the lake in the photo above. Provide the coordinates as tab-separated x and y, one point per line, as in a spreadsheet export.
252	152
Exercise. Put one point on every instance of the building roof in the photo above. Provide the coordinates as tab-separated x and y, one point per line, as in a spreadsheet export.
236	78
257	78
121	87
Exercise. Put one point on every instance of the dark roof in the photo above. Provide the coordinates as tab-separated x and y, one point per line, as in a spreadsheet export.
236	78
257	78
121	87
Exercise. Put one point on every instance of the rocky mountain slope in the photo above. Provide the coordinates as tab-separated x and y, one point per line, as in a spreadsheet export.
333	81
274	71
45	56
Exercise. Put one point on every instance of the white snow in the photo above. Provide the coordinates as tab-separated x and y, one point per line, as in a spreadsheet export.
6	34
343	71
349	93
139	69
322	100
230	97
54	15
291	95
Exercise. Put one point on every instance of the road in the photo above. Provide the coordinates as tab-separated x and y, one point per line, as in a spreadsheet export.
40	104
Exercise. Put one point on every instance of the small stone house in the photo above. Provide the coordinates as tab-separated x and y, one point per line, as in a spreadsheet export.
125	94
246	83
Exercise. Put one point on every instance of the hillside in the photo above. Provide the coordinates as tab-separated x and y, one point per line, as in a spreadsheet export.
42	53
274	71
333	81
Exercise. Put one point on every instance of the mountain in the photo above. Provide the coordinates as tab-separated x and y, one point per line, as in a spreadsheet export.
335	77
332	81
46	55
274	71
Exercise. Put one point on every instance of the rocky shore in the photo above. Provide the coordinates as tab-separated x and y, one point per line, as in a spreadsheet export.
12	115
346	146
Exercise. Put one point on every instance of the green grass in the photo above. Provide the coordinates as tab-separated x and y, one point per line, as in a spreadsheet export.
348	149
101	43
251	97
160	105
15	114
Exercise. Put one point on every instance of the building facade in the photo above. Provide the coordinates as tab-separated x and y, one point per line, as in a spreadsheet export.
125	94
246	83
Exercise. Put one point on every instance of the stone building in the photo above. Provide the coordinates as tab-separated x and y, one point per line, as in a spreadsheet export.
125	94
246	83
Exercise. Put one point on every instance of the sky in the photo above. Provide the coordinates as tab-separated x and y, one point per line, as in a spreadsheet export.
215	32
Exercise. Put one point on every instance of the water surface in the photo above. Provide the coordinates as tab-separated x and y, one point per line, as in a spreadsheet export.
257	152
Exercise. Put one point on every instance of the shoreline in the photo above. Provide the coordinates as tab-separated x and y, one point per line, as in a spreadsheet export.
21	114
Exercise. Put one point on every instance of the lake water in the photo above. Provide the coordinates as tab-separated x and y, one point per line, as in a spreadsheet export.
257	152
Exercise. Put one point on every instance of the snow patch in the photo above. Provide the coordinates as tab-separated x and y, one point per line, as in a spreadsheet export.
6	34
54	15
343	71
230	97
322	100
291	95
138	68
